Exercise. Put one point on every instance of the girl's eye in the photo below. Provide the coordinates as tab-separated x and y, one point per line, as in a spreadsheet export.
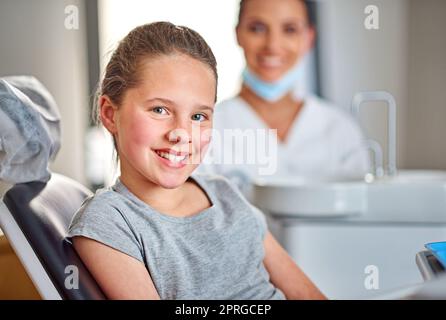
159	110
198	117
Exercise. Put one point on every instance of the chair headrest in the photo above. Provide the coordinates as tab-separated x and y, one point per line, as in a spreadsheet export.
29	130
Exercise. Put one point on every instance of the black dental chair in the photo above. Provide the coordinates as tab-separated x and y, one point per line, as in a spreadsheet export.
34	217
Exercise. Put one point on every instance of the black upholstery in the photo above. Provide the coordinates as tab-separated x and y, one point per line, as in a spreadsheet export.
43	212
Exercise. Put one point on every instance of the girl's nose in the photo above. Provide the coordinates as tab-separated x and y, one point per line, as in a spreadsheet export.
179	136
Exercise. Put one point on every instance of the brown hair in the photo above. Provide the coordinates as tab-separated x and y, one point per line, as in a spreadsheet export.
149	40
309	5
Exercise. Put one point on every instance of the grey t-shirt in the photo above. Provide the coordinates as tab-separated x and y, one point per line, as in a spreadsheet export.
215	254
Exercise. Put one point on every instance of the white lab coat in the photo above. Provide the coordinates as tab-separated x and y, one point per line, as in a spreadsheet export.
324	143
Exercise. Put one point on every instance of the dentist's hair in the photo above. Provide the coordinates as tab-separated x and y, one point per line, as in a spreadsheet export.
309	5
150	40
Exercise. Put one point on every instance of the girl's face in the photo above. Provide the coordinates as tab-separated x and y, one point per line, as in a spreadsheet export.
274	35
162	129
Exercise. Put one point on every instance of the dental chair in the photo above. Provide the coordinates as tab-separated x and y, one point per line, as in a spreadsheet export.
36	206
34	217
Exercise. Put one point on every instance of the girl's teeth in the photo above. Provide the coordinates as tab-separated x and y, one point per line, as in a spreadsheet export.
171	157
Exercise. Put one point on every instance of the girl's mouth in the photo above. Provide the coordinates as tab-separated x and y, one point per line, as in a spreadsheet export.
173	158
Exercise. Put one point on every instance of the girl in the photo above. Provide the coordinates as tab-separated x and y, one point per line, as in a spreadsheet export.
160	232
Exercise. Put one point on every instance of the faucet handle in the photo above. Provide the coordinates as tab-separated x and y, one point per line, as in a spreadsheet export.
366	96
375	147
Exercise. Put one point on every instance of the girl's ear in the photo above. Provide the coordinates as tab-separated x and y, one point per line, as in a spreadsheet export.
108	114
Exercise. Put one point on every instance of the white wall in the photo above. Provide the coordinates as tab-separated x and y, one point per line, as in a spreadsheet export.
354	59
405	57
427	85
34	41
213	19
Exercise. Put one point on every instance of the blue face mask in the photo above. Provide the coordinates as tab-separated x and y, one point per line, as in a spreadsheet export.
272	91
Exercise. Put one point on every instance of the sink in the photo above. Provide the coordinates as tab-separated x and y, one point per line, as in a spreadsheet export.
420	176
353	225
407	200
411	196
310	199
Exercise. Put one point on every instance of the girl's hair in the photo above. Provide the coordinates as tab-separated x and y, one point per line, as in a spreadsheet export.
309	5
149	40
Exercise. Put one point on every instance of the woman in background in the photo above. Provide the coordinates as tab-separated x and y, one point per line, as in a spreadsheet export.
314	140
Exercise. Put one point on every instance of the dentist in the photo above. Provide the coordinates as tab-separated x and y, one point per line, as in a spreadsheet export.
314	140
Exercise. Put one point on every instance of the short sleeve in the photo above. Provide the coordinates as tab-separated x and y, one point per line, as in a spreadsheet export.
105	223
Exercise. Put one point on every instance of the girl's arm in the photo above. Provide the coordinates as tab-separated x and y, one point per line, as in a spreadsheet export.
285	274
119	275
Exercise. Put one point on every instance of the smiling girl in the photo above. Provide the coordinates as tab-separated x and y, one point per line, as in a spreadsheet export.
160	232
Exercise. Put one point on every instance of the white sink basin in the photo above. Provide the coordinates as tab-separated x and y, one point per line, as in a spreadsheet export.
421	201
412	196
420	176
352	225
330	199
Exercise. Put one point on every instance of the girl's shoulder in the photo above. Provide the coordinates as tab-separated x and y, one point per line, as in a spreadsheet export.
103	218
101	204
105	207
106	197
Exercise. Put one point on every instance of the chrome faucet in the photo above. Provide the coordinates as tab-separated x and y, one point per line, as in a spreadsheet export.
361	97
375	147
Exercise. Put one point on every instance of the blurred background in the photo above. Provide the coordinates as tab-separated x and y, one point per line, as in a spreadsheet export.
405	57
66	44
